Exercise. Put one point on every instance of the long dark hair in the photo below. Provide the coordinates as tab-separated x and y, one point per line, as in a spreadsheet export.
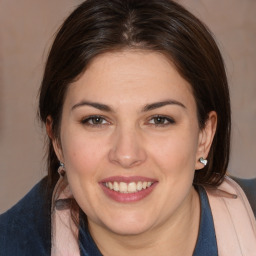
99	26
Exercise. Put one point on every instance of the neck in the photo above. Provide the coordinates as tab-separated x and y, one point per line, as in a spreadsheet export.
168	238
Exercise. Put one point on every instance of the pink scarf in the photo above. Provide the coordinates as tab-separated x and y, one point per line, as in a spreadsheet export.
234	222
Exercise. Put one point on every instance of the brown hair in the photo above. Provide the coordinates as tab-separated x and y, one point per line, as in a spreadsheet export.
99	26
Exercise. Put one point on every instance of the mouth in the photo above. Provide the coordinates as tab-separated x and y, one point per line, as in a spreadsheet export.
128	189
131	187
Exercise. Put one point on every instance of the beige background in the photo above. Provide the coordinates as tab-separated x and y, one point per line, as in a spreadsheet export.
26	31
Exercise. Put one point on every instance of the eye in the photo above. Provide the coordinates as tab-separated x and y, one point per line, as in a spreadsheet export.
161	120
94	121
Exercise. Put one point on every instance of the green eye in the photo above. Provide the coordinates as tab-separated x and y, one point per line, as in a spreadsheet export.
94	121
161	120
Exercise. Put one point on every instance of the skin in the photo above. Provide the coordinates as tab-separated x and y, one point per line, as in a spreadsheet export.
128	140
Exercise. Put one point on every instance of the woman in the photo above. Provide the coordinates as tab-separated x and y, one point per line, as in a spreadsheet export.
136	106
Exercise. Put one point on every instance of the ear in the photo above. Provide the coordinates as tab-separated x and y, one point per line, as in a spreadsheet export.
55	141
206	136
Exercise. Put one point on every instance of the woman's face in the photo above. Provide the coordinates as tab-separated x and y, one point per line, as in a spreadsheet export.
130	141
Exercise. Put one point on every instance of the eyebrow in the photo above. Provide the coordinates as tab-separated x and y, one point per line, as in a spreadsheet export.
162	104
146	108
97	105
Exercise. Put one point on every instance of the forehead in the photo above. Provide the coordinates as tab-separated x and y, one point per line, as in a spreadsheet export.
129	75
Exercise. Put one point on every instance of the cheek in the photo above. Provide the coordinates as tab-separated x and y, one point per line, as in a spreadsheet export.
82	155
83	160
175	152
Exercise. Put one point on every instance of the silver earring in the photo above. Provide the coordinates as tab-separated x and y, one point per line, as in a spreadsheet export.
61	169
58	203
203	161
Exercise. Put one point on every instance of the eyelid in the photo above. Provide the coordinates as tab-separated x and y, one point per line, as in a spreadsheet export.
168	118
85	120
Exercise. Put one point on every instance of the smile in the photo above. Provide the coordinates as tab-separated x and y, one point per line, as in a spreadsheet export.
131	187
128	189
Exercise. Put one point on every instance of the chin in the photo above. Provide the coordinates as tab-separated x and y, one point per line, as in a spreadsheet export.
128	227
129	230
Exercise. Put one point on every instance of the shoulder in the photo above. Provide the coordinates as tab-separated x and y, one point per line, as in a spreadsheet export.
249	187
25	229
234	222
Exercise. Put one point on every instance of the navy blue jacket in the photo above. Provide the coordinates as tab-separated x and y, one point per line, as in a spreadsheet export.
26	227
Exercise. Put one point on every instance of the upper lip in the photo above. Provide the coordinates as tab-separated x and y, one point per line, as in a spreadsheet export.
127	179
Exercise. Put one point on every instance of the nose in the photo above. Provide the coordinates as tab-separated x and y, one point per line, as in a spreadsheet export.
127	148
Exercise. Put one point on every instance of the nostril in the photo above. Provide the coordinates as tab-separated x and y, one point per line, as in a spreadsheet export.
125	160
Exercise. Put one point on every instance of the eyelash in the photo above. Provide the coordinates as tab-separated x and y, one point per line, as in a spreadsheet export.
166	121
87	120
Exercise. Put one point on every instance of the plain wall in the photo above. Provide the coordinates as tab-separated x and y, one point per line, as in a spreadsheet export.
26	31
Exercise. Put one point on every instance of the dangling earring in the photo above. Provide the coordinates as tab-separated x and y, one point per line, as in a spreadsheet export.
59	187
61	170
203	161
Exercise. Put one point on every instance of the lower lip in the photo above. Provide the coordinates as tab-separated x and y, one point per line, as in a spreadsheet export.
128	197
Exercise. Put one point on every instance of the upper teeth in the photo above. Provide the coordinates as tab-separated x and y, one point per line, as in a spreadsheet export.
131	187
